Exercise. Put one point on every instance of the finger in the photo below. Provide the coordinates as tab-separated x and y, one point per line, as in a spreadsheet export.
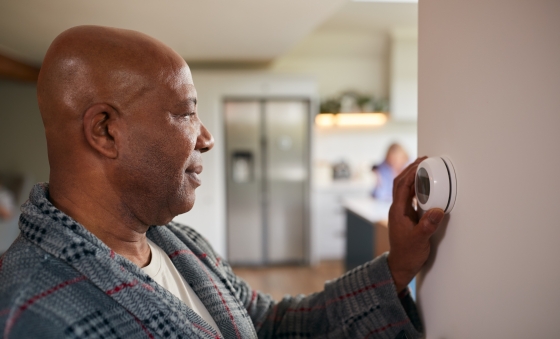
411	204
411	210
413	213
409	168
429	223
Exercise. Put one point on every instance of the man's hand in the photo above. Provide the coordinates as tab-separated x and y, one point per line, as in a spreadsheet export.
408	237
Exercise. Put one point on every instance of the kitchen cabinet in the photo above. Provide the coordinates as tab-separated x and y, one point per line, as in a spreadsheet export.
328	218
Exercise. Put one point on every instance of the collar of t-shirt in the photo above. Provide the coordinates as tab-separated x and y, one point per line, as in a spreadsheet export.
162	270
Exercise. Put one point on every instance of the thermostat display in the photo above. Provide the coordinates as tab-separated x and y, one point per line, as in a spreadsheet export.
422	185
436	184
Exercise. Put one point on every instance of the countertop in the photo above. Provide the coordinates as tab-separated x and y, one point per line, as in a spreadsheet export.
368	208
343	186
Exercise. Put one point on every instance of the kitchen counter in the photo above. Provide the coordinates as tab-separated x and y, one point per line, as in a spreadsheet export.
344	186
370	209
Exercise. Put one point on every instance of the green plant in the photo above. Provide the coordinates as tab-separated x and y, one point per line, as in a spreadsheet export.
366	103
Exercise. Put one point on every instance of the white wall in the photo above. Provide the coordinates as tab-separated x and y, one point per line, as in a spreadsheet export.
489	99
404	75
208	214
23	147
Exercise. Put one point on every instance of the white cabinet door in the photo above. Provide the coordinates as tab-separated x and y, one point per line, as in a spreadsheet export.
329	220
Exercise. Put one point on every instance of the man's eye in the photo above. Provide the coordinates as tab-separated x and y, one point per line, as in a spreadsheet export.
188	114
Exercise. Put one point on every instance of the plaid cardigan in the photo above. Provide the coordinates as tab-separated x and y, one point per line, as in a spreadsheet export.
58	280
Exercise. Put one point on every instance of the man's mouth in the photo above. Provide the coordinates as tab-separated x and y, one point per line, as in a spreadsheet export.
193	172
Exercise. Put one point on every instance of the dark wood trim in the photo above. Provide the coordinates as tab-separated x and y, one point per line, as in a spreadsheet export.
17	70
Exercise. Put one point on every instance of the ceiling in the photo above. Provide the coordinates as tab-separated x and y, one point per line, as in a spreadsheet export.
374	16
199	30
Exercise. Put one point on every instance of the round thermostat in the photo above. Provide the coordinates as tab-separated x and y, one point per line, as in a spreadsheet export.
436	184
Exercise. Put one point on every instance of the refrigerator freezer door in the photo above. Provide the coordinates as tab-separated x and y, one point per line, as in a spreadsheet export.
244	184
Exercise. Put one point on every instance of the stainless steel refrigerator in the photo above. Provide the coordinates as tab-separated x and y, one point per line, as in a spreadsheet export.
267	158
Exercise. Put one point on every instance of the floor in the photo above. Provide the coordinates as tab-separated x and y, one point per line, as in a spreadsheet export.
281	280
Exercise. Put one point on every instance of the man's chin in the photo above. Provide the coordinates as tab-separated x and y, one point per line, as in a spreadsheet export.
184	207
171	212
177	206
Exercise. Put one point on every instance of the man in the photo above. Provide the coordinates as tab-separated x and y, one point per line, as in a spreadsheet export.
124	144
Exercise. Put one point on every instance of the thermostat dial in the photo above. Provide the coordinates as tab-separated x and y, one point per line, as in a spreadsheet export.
436	184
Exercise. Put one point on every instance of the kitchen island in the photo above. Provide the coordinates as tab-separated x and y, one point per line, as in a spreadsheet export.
367	234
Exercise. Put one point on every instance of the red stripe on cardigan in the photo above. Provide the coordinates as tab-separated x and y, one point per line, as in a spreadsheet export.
253	297
386	327
270	317
340	298
144	328
122	286
176	253
11	321
148	287
216	336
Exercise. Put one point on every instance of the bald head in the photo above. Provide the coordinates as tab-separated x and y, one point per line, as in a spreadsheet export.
88	64
119	110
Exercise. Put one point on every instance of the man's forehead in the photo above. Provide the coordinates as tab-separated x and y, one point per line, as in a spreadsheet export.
179	77
185	74
178	80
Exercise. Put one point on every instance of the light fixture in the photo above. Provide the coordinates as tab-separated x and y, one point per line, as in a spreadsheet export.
325	120
390	1
350	119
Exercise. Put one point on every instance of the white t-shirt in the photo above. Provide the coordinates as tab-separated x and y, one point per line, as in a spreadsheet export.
162	270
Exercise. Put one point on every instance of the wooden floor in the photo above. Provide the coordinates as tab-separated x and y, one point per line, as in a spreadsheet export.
293	280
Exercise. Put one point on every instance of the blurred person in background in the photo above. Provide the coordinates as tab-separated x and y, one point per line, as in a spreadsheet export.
7	203
395	161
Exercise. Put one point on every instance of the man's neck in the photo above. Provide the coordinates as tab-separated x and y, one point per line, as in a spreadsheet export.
100	211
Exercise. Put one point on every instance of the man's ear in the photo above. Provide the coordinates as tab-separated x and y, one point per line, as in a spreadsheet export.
101	129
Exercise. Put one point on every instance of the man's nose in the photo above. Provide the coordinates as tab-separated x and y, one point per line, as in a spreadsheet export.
205	140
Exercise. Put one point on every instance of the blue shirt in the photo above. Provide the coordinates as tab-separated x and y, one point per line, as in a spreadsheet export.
384	188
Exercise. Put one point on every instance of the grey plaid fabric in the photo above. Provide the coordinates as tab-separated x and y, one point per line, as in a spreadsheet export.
59	281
